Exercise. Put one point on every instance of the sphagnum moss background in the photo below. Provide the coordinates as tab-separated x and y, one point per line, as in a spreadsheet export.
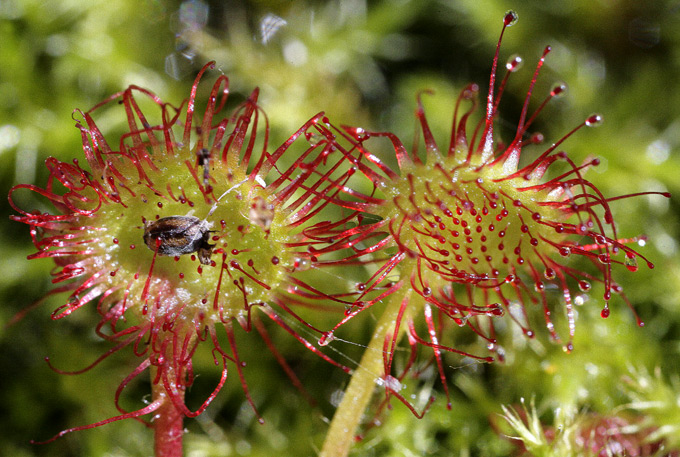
363	63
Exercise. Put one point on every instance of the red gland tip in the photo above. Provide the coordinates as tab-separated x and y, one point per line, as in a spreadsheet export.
510	18
514	63
594	120
558	90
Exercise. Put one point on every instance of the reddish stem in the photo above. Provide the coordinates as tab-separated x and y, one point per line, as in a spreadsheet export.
167	423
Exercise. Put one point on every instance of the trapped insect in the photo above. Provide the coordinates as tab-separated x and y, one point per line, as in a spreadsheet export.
203	160
178	235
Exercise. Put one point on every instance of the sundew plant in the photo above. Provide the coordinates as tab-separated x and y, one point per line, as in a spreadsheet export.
195	273
270	259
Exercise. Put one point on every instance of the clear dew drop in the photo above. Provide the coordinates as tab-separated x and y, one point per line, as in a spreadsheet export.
510	18
496	310
336	397
631	262
500	353
594	120
558	90
302	264
461	321
392	383
313	138
326	338
514	63
549	274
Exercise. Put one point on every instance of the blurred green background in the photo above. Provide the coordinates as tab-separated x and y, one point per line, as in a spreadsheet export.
362	62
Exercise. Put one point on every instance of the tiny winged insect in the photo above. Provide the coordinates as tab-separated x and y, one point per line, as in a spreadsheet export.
178	235
203	160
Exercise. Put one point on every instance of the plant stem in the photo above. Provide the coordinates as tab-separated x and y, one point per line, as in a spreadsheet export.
168	423
341	434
